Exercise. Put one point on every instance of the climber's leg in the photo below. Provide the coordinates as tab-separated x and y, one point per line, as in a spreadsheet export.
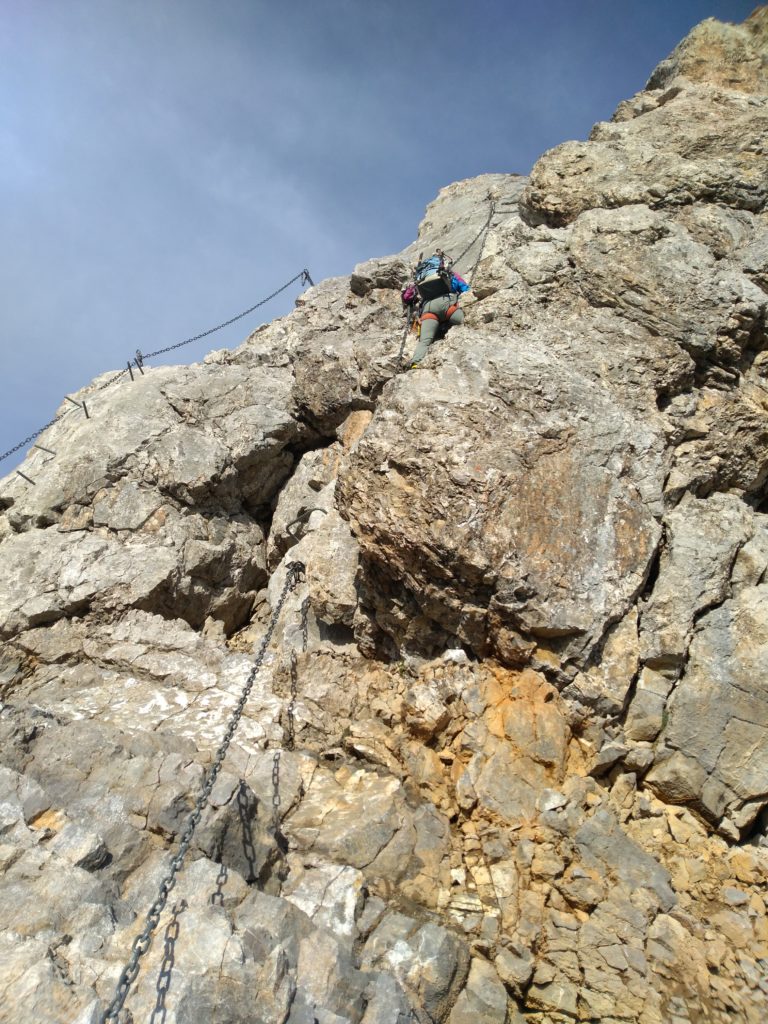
431	315
456	317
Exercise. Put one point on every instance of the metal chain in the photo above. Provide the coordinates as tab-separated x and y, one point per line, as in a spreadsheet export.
290	714
290	711
142	942
244	809
217	896
139	360
172	932
276	797
50	423
112	380
305	624
482	244
304	275
483	229
32	437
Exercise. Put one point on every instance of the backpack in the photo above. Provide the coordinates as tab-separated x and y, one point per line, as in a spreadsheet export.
432	278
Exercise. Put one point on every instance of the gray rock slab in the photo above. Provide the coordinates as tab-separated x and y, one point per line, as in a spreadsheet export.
431	962
703	538
601	840
566	494
474	503
623	162
718	713
484	998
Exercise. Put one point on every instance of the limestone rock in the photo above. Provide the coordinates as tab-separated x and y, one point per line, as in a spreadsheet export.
648	710
432	962
723	54
503	755
483	1000
718	726
603	846
623	164
478	518
605	685
703	539
300	498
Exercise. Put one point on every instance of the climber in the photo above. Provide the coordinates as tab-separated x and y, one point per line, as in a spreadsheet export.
437	288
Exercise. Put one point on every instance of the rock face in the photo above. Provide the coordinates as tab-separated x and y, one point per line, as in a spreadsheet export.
505	755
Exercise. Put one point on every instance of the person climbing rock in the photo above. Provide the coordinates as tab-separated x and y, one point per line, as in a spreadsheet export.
437	288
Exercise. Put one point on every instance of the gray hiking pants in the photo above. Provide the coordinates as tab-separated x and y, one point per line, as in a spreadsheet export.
441	311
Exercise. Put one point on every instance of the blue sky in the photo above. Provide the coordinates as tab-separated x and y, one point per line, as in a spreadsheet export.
164	164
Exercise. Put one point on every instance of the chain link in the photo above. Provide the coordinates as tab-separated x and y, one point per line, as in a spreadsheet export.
482	230
295	574
304	275
217	896
276	794
471	276
112	380
32	437
160	1011
244	810
50	423
290	711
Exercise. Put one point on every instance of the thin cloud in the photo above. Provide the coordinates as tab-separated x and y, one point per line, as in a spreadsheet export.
167	164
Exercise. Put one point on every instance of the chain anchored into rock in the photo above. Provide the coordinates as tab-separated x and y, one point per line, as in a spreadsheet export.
305	278
296	573
140	358
290	711
482	231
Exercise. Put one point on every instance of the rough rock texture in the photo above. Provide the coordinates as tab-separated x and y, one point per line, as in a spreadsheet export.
505	758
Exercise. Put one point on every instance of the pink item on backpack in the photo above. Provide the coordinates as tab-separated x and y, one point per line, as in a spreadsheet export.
408	294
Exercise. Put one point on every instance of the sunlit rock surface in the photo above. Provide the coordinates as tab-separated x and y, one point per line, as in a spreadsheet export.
505	757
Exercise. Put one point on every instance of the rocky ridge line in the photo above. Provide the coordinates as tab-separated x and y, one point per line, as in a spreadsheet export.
521	769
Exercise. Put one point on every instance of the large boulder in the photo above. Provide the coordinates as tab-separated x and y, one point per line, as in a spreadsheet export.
508	496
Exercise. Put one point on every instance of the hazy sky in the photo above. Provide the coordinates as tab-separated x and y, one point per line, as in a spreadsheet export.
164	164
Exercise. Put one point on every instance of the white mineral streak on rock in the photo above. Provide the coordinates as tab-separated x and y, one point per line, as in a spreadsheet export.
505	758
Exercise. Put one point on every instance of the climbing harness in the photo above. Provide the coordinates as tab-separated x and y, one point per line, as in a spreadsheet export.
139	360
296	573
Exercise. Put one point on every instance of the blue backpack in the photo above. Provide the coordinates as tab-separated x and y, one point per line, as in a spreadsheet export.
432	277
